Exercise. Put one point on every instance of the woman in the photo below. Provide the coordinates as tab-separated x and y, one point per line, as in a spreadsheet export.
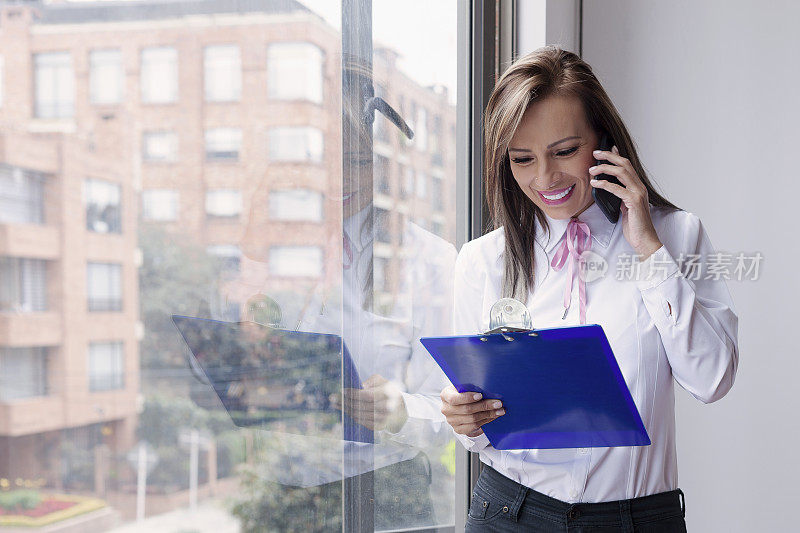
543	124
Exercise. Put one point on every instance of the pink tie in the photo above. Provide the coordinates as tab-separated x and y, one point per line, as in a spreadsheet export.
567	249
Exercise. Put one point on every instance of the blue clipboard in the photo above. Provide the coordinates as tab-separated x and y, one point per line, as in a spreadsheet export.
560	387
239	370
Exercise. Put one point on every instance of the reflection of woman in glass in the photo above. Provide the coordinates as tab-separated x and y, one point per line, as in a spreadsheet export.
544	121
399	378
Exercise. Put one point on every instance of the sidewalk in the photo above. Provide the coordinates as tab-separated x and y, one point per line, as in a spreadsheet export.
210	517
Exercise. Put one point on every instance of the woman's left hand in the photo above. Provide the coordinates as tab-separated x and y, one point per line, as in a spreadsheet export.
379	405
637	226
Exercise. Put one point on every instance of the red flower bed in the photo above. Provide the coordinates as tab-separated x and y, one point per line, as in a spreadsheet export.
47	506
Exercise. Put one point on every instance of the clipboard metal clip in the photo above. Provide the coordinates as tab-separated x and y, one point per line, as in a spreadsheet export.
508	315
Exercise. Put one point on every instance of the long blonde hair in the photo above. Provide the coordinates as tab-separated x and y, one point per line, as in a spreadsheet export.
547	71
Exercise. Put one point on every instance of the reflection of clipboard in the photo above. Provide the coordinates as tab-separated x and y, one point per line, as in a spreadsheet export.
560	387
304	368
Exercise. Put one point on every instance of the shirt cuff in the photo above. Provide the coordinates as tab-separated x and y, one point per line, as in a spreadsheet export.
657	268
474	444
417	408
421	406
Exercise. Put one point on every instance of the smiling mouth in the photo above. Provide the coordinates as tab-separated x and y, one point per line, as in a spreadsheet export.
557	195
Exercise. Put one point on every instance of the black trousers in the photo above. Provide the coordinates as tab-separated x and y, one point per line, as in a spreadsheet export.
501	504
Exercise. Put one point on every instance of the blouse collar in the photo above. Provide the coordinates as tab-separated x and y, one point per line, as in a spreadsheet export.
601	228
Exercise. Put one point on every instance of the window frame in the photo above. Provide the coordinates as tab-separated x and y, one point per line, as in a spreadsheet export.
58	114
302	98
174	98
92	73
113	305
116	380
88	183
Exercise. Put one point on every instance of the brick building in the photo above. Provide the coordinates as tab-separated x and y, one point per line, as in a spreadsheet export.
215	119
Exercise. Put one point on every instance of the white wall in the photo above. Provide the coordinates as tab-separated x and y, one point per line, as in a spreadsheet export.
709	91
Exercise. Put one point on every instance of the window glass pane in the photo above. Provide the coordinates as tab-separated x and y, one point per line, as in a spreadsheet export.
421	132
294	71
437	193
23	284
295	261
159	146
223	144
295	143
238	185
102	200
223	203
104	287
54	85
159	75
421	187
106	77
106	366
223	73
23	372
160	205
21	196
295	205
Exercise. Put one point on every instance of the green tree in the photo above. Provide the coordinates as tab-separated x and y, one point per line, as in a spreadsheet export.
176	277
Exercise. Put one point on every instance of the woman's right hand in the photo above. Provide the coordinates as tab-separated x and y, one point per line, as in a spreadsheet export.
466	412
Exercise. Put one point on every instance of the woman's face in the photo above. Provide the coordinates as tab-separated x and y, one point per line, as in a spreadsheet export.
551	153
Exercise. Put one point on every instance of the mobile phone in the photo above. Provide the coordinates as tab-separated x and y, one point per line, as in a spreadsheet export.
607	201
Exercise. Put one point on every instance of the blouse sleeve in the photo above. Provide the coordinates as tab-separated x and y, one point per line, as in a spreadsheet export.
467	307
693	312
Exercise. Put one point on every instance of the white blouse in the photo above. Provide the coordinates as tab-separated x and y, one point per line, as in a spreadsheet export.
680	322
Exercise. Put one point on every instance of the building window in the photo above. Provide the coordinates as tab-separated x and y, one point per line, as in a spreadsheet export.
159	75
301	205
54	85
295	144
104	286
421	187
23	372
106	77
421	131
435	141
229	255
383	281
222	73
103	211
223	144
23	284
437	193
160	205
383	229
294	72
21	196
295	261
381	173
160	146
106	366
223	203
406	181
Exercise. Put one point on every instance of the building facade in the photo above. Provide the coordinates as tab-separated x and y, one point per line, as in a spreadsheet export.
217	121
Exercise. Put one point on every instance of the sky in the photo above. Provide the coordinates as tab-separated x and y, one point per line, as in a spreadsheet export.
423	32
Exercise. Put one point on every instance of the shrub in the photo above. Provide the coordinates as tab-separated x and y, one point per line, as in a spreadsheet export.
15	500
